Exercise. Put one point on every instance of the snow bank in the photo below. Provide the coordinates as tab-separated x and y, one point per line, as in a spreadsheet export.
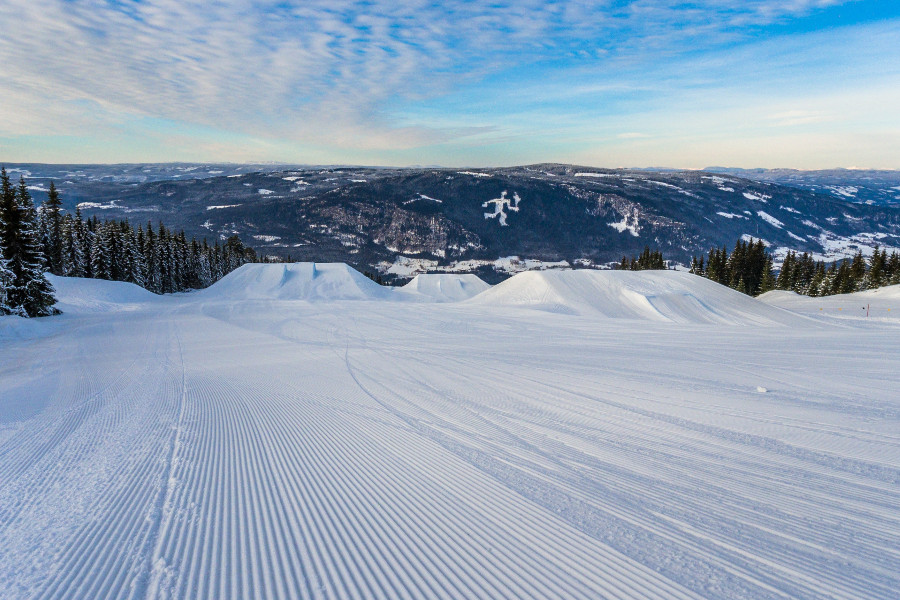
81	295
444	287
313	282
665	296
881	304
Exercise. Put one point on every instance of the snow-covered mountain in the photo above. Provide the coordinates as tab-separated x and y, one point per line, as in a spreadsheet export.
868	186
492	221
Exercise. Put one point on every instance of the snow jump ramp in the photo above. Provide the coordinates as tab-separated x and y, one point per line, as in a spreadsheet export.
664	296
314	282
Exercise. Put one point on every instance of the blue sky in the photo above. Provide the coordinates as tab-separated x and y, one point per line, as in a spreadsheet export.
754	83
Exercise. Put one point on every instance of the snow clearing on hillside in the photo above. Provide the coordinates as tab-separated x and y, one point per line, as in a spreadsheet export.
297	431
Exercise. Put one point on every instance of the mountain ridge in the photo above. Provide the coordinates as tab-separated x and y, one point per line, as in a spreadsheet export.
488	221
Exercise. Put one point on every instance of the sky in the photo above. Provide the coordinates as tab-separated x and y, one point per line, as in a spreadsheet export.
807	84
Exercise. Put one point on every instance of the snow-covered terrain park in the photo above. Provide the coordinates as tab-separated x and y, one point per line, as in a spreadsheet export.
300	432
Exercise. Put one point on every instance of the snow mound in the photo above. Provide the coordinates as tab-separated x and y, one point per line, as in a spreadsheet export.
664	296
314	282
882	303
80	295
445	287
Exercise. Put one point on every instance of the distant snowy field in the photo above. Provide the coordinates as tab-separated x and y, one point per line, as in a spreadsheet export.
299	432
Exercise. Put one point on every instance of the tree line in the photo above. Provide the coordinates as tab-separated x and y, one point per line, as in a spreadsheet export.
648	260
749	269
48	239
24	290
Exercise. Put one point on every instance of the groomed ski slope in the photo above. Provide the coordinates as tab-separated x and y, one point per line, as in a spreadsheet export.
275	442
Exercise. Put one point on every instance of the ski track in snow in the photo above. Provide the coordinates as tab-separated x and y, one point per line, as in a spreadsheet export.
203	448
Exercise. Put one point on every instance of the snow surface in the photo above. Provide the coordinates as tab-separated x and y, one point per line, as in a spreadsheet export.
756	196
846	191
98	205
444	287
770	219
313	282
882	304
629	223
293	432
97	295
502	207
646	296
423	197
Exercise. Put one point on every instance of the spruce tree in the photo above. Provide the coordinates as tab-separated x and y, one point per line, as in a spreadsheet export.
767	280
30	294
53	248
6	275
875	276
100	268
846	282
818	281
893	269
858	272
6	281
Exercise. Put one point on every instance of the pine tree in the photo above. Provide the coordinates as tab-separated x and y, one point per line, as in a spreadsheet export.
6	281
846	282
857	273
30	294
875	277
697	267
767	281
782	282
70	262
140	267
53	243
81	249
6	275
100	259
818	281
892	274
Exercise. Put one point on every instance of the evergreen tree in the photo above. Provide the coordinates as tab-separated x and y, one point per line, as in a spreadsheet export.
7	277
858	272
100	254
767	281
29	294
785	276
71	251
818	280
140	267
875	277
6	282
845	282
53	236
81	257
892	270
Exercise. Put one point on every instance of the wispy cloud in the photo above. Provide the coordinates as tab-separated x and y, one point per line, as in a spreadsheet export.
338	79
790	118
